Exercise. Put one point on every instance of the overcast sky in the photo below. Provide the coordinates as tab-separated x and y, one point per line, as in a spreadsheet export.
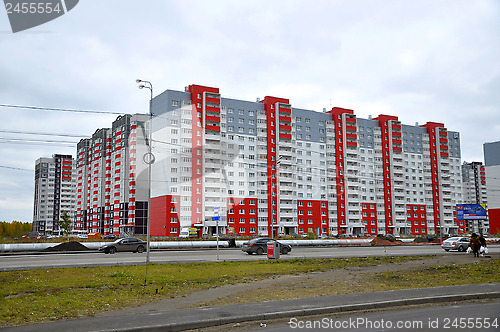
419	60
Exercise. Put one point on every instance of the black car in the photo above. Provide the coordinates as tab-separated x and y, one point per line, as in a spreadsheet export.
110	237
127	244
259	246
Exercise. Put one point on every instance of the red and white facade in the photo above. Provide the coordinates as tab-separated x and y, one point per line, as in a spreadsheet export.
55	189
268	168
107	176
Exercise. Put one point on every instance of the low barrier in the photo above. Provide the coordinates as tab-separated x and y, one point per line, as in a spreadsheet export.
33	247
27	247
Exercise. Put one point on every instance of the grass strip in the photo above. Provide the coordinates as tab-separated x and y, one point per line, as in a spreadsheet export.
44	295
413	278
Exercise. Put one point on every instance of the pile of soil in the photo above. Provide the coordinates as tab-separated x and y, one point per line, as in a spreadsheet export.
382	240
68	246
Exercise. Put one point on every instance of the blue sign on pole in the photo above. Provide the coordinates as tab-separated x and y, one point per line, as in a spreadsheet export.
216	218
471	212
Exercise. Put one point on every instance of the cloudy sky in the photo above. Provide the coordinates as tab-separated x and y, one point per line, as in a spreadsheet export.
419	60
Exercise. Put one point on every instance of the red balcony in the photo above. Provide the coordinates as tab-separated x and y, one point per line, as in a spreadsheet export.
212	118
351	128
285	118
444	154
444	147
286	136
285	110
396	126
396	148
212	127
396	133
397	141
351	136
351	120
285	127
212	100
443	140
212	109
351	143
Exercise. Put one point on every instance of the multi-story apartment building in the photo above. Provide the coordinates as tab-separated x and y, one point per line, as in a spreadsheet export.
474	192
268	168
492	167
54	192
112	190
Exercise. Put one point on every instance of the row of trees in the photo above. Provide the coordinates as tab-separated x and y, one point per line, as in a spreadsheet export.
14	228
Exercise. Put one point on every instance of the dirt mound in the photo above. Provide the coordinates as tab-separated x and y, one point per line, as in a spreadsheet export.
385	240
67	246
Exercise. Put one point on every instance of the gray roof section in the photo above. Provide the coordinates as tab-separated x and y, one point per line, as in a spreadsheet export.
491	153
307	123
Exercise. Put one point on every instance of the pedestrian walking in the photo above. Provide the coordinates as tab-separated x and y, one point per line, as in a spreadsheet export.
474	244
482	250
482	240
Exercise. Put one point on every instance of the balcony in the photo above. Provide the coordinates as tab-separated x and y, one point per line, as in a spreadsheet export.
350	128
285	119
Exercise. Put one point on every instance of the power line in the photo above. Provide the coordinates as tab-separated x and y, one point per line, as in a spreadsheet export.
16	168
59	109
33	140
40	133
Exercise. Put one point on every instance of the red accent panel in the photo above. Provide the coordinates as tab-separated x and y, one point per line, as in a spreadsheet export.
384	122
494	216
212	118
285	127
243	215
213	128
270	105
161	215
312	216
431	130
197	170
287	136
370	209
417	216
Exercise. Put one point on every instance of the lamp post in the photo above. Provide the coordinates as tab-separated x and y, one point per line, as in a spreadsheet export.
148	159
278	161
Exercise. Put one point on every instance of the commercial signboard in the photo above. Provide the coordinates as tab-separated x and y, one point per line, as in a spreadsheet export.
471	212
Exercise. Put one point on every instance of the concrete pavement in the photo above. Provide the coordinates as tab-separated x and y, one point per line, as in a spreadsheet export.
185	319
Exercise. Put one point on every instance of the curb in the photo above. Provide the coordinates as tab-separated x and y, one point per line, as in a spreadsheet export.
309	312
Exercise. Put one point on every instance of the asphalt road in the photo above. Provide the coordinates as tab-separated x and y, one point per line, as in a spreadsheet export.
51	260
460	317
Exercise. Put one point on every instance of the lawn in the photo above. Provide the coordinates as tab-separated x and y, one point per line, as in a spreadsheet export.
51	294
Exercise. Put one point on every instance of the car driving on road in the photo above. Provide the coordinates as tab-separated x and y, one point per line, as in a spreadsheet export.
455	243
259	246
126	244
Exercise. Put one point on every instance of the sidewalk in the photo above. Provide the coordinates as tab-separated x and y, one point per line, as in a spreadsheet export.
185	319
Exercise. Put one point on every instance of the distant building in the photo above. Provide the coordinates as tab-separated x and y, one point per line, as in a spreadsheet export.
474	187
266	168
55	190
492	166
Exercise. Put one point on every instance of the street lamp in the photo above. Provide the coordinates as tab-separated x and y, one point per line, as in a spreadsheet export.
148	159
278	161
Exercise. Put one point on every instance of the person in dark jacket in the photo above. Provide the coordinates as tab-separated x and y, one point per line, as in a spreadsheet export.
474	244
482	240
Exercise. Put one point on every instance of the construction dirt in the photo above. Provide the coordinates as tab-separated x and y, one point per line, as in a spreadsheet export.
68	246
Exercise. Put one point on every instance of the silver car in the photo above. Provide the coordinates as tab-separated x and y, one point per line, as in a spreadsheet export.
456	243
